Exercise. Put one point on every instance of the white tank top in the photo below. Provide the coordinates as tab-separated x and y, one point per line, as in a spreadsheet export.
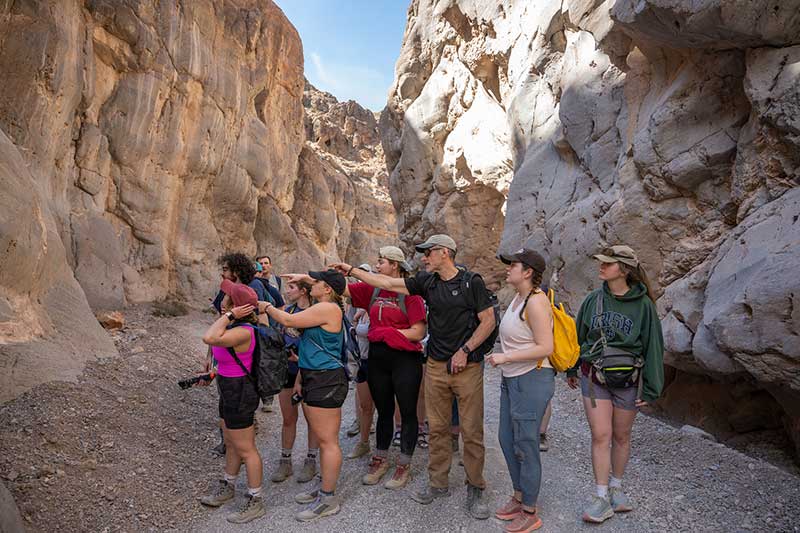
516	334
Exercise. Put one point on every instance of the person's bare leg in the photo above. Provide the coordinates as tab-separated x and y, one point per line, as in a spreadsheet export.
244	443
546	418
326	424
289	417
599	419
621	440
365	411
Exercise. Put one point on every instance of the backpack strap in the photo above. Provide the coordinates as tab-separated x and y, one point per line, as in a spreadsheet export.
375	294
231	351
401	301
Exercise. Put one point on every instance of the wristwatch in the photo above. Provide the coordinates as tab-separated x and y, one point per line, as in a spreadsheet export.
229	314
466	350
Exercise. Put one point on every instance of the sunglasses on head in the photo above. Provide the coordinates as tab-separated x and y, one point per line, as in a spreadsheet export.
619	253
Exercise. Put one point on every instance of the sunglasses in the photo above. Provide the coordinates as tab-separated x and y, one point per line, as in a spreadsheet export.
429	250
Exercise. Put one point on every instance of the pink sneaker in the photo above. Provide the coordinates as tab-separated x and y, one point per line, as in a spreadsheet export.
510	510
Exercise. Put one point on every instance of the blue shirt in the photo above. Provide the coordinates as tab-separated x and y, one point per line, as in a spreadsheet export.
320	350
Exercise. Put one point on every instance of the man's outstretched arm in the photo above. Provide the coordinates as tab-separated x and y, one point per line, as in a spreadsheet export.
376	280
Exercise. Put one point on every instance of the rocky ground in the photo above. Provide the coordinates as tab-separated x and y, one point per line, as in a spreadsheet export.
126	450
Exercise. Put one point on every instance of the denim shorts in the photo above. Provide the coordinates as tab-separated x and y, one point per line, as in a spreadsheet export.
620	398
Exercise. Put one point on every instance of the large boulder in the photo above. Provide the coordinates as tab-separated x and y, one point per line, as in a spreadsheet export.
667	125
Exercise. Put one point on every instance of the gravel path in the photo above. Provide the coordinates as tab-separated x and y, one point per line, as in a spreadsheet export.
678	482
125	450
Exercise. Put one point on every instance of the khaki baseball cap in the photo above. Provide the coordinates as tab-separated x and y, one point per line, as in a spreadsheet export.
618	254
393	253
445	241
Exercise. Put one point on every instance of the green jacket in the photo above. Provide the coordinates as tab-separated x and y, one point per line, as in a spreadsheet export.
631	323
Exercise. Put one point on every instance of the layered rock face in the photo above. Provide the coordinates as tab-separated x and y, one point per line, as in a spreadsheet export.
671	126
139	140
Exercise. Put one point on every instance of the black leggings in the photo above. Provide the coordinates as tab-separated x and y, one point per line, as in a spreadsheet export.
395	374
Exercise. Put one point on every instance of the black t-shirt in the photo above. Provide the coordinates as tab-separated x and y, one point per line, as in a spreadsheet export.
451	319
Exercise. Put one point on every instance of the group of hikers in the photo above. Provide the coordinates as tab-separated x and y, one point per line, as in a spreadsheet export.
429	337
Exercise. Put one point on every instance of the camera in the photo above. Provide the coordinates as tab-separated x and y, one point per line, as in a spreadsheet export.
187	383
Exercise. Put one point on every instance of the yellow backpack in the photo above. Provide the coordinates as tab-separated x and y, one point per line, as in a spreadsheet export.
565	338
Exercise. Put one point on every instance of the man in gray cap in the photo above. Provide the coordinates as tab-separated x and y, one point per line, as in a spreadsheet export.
460	319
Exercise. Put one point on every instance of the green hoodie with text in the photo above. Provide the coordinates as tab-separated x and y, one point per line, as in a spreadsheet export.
631	323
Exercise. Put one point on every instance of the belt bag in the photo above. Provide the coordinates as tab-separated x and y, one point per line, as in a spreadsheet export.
613	367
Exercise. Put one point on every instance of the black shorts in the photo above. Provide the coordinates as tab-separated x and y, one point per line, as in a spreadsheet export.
290	380
238	401
363	371
324	388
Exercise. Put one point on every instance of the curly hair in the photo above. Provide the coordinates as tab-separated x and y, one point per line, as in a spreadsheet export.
240	265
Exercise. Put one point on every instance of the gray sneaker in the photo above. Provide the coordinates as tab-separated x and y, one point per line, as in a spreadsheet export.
252	508
476	503
222	493
354	429
619	501
219	449
598	511
308	496
308	472
283	472
322	506
426	495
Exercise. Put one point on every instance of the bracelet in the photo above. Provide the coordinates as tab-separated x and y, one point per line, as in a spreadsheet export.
350	271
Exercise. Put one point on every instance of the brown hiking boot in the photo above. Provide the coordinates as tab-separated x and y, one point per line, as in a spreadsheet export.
308	472
251	508
377	469
402	473
283	472
222	493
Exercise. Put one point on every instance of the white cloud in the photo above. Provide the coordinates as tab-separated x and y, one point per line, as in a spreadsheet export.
366	86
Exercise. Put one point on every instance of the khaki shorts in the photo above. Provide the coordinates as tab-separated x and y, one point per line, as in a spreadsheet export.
620	398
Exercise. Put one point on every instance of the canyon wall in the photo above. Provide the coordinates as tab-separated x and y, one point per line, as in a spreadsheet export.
668	125
140	140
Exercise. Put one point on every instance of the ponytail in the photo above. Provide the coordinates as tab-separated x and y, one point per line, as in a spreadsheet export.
536	281
637	274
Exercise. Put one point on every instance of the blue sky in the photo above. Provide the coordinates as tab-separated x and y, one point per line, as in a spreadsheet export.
350	47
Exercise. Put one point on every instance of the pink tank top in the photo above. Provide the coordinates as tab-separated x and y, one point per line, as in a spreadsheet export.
227	365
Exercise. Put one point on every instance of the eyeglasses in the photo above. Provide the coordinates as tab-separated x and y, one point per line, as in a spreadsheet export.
429	250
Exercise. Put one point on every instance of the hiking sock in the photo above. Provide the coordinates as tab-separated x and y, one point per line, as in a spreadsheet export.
602	491
286	453
254	492
231	479
312	453
615	483
404	460
382	453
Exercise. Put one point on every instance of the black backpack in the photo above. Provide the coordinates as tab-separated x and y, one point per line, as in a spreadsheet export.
486	346
270	365
349	356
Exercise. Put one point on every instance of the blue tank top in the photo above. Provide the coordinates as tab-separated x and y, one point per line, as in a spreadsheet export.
319	349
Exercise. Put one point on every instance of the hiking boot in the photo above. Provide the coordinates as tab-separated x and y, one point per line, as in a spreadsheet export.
252	508
378	467
509	511
619	501
219	449
524	523
476	503
361	449
402	473
308	471
543	444
266	404
308	496
222	493
283	472
322	506
598	511
428	494
354	428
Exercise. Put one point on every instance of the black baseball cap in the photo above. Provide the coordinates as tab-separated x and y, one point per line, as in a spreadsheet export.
525	256
334	278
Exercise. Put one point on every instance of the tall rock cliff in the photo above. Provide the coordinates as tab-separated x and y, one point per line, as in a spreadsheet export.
139	140
668	125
